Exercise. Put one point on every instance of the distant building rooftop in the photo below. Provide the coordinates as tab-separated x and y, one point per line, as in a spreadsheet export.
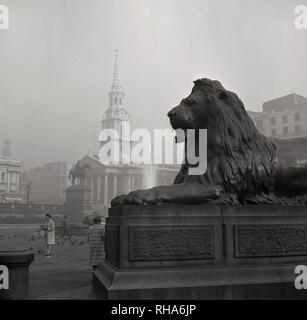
284	117
291	101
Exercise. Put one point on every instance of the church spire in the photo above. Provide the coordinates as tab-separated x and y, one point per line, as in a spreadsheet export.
116	95
116	72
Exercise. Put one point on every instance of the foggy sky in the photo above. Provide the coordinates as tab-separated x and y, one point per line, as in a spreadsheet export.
57	58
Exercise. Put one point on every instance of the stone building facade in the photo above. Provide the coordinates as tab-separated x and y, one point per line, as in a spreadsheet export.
48	182
284	117
10	170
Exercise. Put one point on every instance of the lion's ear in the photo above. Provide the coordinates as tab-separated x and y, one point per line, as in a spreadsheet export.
223	95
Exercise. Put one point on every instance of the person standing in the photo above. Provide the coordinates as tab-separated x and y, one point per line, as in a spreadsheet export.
96	240
66	231
50	234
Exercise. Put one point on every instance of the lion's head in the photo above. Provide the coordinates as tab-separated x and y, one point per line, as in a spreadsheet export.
240	160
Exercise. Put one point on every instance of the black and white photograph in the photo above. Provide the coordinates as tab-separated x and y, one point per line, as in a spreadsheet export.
153	151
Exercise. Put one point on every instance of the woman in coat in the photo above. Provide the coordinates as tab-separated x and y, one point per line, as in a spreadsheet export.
50	234
96	239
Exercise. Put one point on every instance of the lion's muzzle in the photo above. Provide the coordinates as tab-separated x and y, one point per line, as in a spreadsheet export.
181	117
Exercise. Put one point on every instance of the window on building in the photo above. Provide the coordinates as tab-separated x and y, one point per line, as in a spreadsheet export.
273	132
2	176
13	178
284	119
259	125
297	116
285	130
297	129
273	120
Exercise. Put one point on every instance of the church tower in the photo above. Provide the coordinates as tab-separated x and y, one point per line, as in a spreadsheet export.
116	117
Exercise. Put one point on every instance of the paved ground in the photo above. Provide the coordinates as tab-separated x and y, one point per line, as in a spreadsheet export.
66	275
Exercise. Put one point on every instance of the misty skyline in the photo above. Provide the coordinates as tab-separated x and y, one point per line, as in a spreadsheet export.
56	63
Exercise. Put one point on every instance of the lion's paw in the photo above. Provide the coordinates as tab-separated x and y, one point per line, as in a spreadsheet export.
136	197
118	201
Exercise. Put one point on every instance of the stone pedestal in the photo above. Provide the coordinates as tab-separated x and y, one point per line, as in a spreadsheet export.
203	252
17	262
78	203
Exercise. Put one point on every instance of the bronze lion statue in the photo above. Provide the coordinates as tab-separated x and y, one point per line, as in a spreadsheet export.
244	167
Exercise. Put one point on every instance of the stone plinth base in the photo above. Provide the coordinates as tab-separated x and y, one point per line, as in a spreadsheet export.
17	262
197	283
203	252
78	203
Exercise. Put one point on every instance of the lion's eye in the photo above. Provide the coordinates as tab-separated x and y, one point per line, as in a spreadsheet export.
189	102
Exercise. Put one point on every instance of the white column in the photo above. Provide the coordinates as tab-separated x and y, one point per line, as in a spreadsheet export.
98	189
106	190
115	186
92	189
